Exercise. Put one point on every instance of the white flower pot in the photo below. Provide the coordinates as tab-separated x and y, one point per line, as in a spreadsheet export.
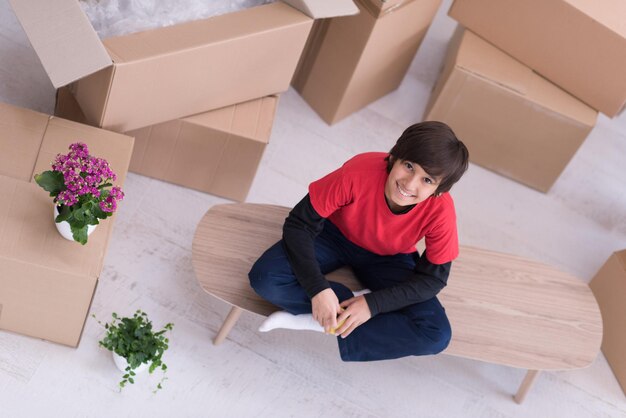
121	363
64	227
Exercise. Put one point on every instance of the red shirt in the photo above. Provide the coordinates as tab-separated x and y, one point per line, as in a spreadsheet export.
353	199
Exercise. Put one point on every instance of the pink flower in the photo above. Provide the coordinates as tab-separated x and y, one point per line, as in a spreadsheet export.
67	198
108	205
84	177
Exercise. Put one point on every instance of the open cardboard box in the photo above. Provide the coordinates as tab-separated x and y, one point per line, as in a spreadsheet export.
351	61
609	288
46	282
513	121
579	45
133	81
216	152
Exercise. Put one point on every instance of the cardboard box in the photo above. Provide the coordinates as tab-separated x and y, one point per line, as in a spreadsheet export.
352	61
137	80
217	152
578	45
46	282
609	288
512	120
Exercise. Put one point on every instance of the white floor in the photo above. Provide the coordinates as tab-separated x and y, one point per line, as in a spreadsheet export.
279	374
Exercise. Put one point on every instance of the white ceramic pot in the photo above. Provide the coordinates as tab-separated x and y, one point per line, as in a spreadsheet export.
121	363
64	227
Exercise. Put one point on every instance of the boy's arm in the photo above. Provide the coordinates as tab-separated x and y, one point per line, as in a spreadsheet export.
299	231
424	283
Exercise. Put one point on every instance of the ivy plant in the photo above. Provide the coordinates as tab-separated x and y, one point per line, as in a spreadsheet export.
134	339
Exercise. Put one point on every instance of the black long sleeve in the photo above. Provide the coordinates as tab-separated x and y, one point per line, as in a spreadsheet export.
424	283
299	231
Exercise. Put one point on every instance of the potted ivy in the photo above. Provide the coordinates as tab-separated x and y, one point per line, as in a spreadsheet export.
135	345
81	187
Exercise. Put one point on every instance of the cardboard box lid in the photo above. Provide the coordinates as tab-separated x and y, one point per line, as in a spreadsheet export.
178	39
60	133
610	13
31	140
70	49
21	132
62	37
484	60
252	119
29	236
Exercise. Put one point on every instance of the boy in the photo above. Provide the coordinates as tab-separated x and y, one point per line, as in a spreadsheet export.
369	214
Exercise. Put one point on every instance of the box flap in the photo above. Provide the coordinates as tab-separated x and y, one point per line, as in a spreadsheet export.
484	60
319	9
21	131
610	13
113	147
62	37
197	34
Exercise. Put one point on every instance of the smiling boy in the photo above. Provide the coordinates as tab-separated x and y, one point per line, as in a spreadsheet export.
369	214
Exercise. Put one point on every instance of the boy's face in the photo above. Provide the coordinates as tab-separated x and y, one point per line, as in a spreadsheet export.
408	184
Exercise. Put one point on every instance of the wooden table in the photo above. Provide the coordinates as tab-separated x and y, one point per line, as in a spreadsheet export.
503	309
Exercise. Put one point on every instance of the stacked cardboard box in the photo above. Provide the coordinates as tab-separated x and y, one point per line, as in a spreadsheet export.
133	81
351	61
165	85
513	121
46	282
609	288
216	152
578	46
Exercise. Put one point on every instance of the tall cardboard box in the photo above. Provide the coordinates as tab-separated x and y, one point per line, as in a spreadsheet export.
580	45
141	79
513	121
351	61
609	288
46	282
217	152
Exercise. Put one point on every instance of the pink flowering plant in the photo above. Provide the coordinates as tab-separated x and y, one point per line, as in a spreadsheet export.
81	187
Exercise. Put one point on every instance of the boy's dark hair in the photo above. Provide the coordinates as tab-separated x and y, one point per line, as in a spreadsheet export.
436	149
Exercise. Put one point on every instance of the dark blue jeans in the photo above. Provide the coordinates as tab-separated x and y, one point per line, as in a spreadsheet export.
415	330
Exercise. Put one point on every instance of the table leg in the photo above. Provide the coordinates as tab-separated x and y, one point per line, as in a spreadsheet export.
228	324
528	381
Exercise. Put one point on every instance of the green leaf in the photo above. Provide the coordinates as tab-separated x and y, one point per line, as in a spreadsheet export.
51	181
79	214
64	213
79	233
134	339
99	213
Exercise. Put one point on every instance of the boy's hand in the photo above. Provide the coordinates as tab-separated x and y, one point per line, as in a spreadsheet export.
355	312
326	308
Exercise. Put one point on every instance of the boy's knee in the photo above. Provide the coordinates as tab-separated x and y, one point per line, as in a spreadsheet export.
265	280
441	339
258	277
